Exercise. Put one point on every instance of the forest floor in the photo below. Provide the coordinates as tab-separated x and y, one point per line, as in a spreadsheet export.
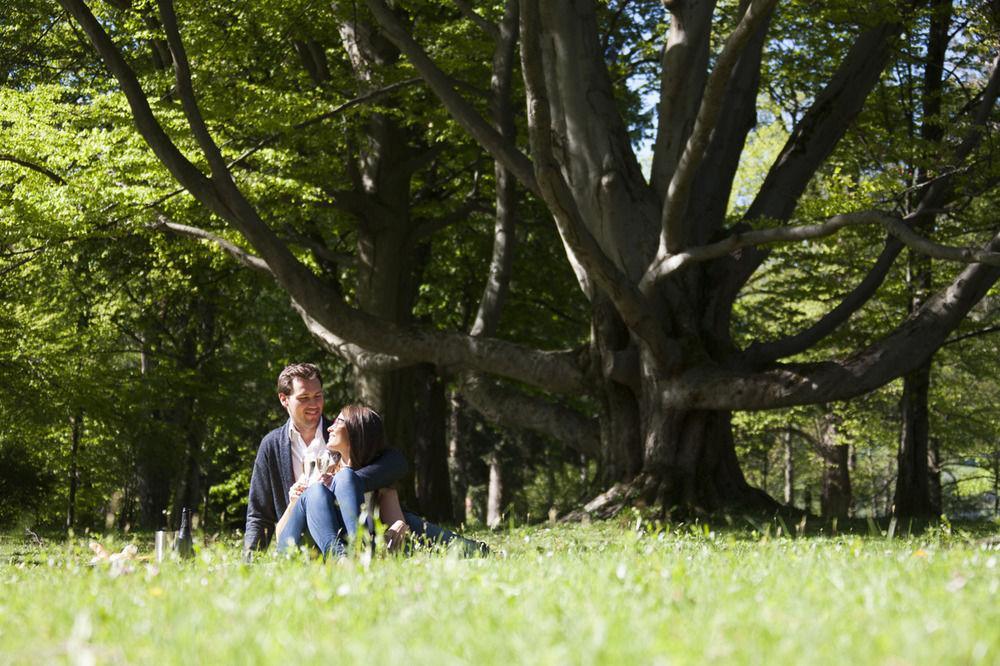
623	591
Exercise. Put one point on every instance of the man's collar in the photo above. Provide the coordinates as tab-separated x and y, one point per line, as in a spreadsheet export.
320	431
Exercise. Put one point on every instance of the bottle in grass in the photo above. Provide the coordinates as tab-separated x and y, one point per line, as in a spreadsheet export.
184	545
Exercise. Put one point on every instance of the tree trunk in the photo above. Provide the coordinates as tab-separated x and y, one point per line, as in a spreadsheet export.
690	463
612	353
76	423
458	466
430	459
789	494
913	495
494	496
934	471
836	499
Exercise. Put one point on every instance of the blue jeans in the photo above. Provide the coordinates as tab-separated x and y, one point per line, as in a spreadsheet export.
331	516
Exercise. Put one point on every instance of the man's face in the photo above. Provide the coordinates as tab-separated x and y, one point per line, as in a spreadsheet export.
304	404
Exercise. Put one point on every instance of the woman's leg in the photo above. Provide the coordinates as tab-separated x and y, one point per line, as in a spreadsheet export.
291	535
319	508
391	514
349	494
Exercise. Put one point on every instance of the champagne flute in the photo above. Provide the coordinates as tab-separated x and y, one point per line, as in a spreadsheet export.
309	467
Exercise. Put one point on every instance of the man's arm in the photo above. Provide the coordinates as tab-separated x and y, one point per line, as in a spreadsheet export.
386	469
260	506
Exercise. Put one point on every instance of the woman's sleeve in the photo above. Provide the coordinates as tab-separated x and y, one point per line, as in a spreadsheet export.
386	469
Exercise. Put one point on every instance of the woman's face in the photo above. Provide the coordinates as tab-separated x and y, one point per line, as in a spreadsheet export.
339	440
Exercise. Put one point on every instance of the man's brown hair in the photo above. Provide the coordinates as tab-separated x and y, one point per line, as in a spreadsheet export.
304	371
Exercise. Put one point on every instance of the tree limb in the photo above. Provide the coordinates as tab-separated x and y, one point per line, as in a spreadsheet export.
903	350
826	121
460	109
678	193
236	252
554	190
51	175
759	354
514	409
491	31
683	70
185	91
183	170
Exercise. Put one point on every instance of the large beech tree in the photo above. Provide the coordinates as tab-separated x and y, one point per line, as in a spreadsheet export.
659	260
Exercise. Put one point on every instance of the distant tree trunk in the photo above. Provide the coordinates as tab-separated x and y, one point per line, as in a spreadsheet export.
458	467
789	494
836	498
914	495
76	422
913	492
494	496
934	471
431	450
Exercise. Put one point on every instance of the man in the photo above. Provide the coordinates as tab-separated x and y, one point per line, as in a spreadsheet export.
281	458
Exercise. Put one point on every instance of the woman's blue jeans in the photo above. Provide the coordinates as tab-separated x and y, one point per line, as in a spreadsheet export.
329	514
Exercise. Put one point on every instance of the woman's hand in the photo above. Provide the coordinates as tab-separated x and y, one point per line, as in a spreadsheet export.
336	464
296	490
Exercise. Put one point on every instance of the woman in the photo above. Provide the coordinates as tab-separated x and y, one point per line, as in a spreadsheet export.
331	508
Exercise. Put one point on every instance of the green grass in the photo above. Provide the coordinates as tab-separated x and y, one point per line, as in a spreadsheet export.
597	594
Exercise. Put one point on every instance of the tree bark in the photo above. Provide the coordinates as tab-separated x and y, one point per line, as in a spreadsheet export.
76	435
494	497
433	492
914	495
458	464
789	493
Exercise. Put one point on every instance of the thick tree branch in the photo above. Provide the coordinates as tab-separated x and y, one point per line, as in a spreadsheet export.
759	354
500	148
186	173
326	115
938	191
902	351
894	225
498	280
826	121
513	409
182	76
710	192
678	193
683	69
673	262
580	243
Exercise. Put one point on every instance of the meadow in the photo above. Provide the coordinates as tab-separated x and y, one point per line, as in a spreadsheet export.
623	592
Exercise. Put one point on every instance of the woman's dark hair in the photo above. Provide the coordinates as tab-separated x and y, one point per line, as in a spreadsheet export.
364	432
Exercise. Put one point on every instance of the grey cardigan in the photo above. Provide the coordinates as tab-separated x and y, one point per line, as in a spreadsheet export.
272	479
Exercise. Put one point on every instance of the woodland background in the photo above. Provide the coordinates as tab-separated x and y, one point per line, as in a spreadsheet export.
140	334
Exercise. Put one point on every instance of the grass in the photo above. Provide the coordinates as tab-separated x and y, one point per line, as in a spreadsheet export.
584	594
